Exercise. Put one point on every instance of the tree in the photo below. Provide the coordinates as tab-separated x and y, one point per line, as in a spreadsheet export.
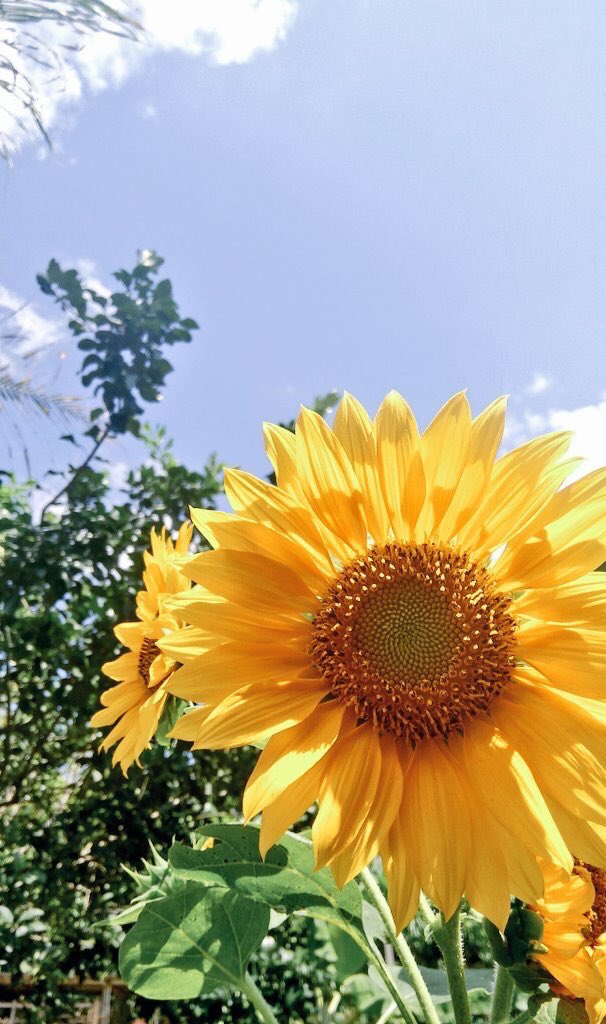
66	579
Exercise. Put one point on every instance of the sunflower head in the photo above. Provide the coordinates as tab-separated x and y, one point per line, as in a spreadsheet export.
573	910
134	707
414	628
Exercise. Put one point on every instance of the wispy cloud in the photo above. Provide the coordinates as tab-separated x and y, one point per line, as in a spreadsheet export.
539	384
222	31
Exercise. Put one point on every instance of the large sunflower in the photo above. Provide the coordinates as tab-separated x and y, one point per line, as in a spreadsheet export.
135	706
416	630
574	931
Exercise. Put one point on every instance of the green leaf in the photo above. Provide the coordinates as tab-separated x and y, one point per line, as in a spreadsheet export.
285	880
350	958
366	994
192	942
170	716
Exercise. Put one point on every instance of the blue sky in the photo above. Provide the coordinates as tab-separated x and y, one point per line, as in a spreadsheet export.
392	194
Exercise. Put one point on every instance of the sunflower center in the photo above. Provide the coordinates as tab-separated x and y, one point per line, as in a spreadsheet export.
415	638
148	652
597	914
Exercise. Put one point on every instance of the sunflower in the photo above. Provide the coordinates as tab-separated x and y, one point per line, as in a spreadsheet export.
573	910
414	630
134	707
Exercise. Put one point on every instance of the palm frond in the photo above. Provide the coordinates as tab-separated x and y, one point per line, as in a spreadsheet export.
25	393
23	53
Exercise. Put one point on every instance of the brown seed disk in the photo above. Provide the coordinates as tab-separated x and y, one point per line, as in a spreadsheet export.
415	638
597	914
148	652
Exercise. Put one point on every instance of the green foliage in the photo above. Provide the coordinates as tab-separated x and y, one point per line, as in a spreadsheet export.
192	942
123	334
70	820
285	881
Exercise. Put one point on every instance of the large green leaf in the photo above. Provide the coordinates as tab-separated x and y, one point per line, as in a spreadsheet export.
285	880
192	942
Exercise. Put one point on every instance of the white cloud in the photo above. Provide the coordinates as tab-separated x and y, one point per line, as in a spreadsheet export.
538	384
23	331
87	270
224	31
117	472
588	424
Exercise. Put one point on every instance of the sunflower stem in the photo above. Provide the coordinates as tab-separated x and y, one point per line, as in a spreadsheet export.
249	988
425	910
450	941
401	947
503	997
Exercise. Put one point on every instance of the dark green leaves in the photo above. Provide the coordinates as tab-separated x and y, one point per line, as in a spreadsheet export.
124	335
192	942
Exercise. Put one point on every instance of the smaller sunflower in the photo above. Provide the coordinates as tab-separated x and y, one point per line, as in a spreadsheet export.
573	909
134	707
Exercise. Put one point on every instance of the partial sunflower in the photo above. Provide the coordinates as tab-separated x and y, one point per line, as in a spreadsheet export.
573	910
416	630
135	706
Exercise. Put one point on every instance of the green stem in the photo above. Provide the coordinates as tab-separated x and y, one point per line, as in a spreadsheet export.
525	1018
254	995
502	998
402	948
381	968
425	910
449	939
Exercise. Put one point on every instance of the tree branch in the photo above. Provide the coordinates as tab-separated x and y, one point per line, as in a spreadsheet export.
53	501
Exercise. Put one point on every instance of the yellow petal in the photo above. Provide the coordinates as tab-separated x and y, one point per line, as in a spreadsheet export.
520	484
130	634
579	974
503	781
570	546
251	580
571	659
230	621
587	839
402	885
240	534
290	755
400	464
435	824
230	666
190	724
257	711
187	643
487	885
256	499
582	603
329	482
444	450
278	816
379	818
119	699
486	435
551	735
348	789
354	429
124	667
281	448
